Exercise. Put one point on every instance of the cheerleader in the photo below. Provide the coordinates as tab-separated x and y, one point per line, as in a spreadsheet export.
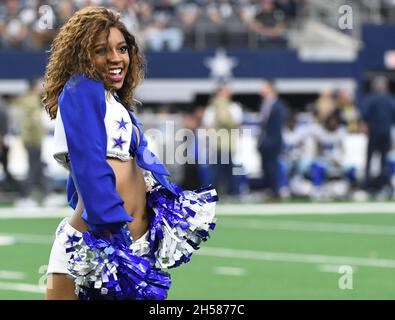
129	221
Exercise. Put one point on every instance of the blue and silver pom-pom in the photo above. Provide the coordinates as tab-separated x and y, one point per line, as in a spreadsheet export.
106	268
181	222
115	268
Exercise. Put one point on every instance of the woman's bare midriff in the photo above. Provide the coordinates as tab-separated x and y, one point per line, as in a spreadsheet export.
130	186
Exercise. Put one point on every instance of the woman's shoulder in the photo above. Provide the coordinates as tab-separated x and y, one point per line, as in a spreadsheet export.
82	90
80	81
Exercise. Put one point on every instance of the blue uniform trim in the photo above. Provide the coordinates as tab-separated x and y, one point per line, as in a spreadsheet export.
82	105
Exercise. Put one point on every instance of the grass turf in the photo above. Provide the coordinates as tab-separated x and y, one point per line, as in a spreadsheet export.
244	278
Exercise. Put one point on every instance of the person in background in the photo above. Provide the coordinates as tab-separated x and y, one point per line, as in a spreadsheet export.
270	141
269	25
323	106
346	110
159	29
329	161
191	177
32	134
14	31
9	181
223	115
378	115
290	8
292	160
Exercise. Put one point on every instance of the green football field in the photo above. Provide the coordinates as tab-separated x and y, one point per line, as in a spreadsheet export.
287	256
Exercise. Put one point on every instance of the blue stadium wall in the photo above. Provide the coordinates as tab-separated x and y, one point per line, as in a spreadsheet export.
269	63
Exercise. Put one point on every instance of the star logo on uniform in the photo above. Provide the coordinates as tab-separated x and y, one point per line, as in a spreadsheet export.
118	142
122	124
221	65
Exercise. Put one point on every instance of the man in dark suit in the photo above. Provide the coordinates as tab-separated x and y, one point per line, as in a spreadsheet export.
270	140
378	114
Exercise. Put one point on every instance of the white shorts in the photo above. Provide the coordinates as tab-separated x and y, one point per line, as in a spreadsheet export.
58	259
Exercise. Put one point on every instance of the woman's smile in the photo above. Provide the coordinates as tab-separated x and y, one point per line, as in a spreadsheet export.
115	74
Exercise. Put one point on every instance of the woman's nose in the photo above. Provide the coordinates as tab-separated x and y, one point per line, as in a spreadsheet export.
113	56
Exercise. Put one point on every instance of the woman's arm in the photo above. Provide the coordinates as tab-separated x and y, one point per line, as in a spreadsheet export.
83	108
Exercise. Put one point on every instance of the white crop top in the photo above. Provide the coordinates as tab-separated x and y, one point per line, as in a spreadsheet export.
119	129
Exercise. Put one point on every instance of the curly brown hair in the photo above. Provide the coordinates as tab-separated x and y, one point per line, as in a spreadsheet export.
71	54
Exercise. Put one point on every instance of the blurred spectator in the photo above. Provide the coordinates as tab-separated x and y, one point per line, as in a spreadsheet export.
270	142
188	15
128	10
162	24
346	110
191	177
222	115
378	114
269	25
14	31
236	30
391	166
64	12
220	24
289	8
323	106
329	164
9	181
147	23
291	160
211	27
32	134
157	28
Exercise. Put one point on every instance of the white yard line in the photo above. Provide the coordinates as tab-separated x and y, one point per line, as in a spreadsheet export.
21	287
307	226
22	213
28	238
230	271
306	208
15	275
7	240
232	209
295	257
331	268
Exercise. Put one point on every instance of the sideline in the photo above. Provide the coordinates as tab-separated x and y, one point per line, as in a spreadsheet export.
233	209
295	257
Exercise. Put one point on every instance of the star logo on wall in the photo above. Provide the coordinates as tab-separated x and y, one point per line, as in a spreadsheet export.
221	65
118	142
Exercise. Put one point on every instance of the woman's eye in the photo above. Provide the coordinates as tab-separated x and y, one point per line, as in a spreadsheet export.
100	51
123	49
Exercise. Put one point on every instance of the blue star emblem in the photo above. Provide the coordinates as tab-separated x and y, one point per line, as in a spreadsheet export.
122	124
118	142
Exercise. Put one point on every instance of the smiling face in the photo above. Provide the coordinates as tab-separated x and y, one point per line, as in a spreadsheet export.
111	58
